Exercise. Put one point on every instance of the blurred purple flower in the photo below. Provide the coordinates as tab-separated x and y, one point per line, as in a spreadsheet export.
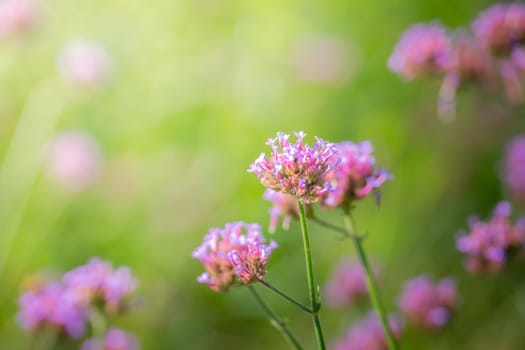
367	334
355	175
295	168
115	339
284	205
84	63
236	248
488	245
423	49
427	303
514	167
73	160
17	16
97	280
347	284
323	59
52	305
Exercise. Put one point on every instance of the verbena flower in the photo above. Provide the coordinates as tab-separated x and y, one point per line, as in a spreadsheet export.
52	305
295	168
17	17
367	334
73	160
284	205
238	248
489	245
514	167
114	339
355	175
98	281
427	303
423	49
347	284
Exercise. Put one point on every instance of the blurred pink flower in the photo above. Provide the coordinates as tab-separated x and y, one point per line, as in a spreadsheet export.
489	245
427	303
284	205
323	59
84	63
17	16
367	334
514	167
347	284
115	339
73	160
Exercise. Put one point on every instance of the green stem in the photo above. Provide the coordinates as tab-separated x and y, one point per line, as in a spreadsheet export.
330	226
287	297
98	324
314	303
371	283
279	324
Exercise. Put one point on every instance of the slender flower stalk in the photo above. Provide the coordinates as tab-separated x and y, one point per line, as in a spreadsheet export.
279	324
330	226
370	281
315	305
286	296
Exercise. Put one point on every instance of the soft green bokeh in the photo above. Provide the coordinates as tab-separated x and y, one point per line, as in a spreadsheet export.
198	87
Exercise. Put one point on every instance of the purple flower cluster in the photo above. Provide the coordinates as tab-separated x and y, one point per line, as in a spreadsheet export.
347	284
367	334
65	304
284	205
427	303
514	167
489	245
355	175
237	250
114	339
295	168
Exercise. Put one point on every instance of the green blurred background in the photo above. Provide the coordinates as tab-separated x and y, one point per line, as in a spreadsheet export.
198	86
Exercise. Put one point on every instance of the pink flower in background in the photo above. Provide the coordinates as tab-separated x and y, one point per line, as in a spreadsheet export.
284	205
73	160
17	16
52	305
489	245
427	303
367	334
115	339
97	280
423	49
84	63
347	284
295	168
238	248
355	175
323	59
514	167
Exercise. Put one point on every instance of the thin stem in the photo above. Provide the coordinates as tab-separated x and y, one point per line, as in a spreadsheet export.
279	324
98	323
287	297
371	283
330	226
314	303
46	339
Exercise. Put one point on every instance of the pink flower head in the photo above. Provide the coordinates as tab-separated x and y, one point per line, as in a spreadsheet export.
51	305
73	160
236	249
427	303
489	245
355	175
115	339
423	49
347	284
97	280
295	168
501	28
367	334
284	205
514	167
84	63
470	61
17	16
